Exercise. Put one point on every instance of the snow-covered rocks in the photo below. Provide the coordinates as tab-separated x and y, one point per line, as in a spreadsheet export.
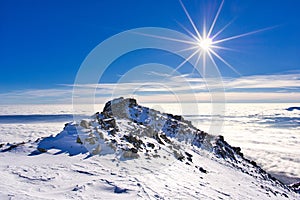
130	151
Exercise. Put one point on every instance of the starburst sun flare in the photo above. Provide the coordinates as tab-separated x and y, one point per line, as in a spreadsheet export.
205	44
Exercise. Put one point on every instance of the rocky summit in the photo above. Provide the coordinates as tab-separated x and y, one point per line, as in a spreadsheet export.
133	130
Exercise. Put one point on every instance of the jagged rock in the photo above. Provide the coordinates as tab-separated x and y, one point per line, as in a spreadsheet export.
111	122
165	138
296	187
151	145
130	154
42	150
188	154
84	124
178	156
202	170
96	150
78	140
158	139
134	140
189	159
13	146
119	107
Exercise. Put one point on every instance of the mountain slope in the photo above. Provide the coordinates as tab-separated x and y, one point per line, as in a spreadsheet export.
129	151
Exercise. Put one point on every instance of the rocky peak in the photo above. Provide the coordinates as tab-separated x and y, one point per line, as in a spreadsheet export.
119	107
125	126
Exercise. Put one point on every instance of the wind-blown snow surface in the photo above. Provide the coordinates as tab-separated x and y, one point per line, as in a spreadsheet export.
163	168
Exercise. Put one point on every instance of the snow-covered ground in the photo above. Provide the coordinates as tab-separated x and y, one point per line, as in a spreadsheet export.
267	133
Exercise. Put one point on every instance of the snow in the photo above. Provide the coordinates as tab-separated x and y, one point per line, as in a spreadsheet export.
59	176
63	168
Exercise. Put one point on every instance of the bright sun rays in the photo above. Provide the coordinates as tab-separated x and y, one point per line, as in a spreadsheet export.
204	43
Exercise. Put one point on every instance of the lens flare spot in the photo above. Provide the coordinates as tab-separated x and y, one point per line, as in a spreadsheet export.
205	44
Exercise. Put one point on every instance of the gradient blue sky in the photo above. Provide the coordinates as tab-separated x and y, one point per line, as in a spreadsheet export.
43	43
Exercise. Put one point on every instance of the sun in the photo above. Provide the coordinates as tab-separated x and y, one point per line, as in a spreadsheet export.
205	44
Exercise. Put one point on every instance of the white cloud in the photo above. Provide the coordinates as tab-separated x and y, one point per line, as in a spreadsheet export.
262	88
265	81
36	96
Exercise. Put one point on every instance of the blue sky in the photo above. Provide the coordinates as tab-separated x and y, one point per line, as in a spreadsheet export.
43	44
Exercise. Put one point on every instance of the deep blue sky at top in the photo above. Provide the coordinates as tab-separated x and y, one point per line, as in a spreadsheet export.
43	43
